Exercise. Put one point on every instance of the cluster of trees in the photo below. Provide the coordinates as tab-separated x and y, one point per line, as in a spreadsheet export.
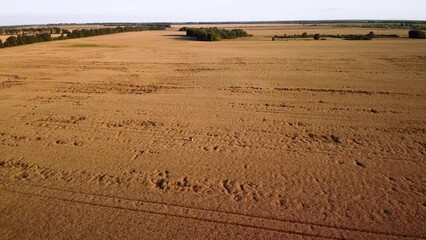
417	34
44	37
215	34
26	39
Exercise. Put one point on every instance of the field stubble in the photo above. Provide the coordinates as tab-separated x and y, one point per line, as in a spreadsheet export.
165	137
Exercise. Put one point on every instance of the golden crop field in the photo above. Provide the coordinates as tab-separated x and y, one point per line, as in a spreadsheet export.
151	134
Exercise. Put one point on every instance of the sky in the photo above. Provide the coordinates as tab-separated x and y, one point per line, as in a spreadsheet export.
86	11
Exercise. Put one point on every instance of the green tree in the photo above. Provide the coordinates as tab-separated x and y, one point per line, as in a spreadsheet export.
70	35
417	34
21	40
11	41
317	36
44	37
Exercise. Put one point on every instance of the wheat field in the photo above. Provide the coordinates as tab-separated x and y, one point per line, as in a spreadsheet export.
152	135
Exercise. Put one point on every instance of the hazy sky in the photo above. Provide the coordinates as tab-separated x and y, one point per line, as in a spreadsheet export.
56	11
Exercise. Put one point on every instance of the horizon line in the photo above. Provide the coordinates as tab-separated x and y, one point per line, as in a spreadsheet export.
226	22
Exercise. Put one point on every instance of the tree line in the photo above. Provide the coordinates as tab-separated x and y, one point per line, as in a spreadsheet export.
66	34
104	31
318	36
411	34
25	39
17	31
400	25
214	33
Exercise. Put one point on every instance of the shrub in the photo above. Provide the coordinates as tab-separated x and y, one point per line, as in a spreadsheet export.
1	44
183	29
317	36
304	35
417	34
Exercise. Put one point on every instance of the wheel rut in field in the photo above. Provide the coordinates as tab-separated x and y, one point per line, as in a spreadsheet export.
305	229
